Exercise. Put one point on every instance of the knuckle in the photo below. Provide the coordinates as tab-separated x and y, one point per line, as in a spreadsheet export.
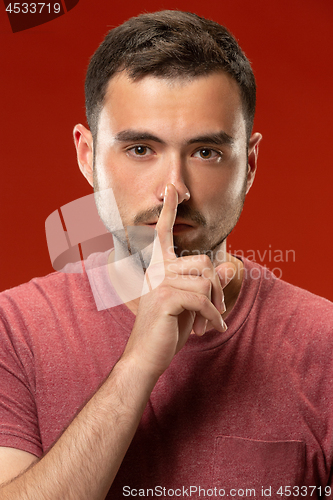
156	269
163	293
206	261
203	300
206	272
206	286
171	267
205	265
194	271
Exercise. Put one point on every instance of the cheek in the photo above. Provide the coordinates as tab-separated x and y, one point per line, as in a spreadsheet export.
101	178
126	186
222	190
109	171
102	172
236	180
237	188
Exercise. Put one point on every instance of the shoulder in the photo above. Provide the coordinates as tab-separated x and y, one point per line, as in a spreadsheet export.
278	292
45	301
55	286
292	325
289	313
69	287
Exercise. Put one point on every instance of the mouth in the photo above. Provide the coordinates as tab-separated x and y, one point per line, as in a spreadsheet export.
180	226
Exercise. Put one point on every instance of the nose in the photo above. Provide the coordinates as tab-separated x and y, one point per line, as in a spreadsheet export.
175	173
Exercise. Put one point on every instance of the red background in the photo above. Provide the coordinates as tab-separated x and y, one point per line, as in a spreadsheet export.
289	207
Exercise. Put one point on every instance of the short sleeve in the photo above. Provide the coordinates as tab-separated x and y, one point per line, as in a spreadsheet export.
18	413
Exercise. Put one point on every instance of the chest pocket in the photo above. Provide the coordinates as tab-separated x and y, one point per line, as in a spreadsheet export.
243	464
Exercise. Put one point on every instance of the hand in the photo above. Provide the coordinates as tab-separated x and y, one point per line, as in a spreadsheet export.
188	297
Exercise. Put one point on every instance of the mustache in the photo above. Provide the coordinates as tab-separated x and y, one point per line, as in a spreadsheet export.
183	211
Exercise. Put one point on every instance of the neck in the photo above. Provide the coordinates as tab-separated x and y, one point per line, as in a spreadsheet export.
126	274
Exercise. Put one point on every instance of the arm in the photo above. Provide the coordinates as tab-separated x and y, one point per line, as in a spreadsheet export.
84	461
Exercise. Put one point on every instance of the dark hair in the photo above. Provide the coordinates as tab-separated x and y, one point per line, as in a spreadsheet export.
169	44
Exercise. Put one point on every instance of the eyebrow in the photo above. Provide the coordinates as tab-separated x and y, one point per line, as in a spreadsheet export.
135	136
218	139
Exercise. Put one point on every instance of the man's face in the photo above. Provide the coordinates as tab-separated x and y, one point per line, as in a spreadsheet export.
190	133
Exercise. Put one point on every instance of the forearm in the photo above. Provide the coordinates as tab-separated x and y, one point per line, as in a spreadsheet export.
84	461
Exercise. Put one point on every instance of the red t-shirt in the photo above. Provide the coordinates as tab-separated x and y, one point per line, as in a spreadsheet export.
250	408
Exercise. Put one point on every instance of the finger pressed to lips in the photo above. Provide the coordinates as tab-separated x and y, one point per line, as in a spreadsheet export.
165	224
163	250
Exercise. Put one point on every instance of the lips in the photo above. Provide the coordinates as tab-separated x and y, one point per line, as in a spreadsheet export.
178	220
179	225
180	228
182	222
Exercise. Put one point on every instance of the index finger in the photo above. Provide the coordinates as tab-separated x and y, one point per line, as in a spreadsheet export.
164	228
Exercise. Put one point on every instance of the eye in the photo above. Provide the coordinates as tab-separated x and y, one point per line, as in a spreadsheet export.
139	151
207	154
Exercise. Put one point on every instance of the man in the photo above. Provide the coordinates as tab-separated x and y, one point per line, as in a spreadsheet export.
160	396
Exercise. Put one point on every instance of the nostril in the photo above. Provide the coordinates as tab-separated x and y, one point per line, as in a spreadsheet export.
183	196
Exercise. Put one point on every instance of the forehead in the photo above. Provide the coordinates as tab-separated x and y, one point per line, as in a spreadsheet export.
173	107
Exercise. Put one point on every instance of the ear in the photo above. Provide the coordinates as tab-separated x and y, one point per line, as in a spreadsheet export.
84	149
253	152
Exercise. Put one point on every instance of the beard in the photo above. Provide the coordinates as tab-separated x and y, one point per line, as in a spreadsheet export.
139	238
215	232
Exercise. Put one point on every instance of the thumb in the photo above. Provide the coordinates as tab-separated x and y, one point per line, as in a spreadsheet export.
226	272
